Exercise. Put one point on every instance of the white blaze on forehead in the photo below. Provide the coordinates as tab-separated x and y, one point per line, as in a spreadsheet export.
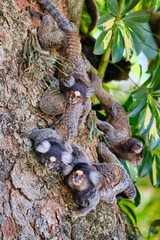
77	93
77	177
43	147
52	159
79	172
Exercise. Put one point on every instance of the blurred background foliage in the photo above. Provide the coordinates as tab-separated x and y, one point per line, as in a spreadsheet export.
128	34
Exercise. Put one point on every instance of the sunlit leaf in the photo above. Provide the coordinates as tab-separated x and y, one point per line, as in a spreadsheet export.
117	47
136	107
140	93
103	42
137	29
101	4
128	43
128	210
154	138
141	16
154	172
107	39
106	22
146	164
156	110
132	213
145	119
113	6
130	6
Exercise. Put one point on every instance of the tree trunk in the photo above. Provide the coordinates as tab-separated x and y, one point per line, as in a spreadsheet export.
34	202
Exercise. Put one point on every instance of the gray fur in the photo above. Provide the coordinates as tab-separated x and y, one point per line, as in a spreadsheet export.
104	180
57	15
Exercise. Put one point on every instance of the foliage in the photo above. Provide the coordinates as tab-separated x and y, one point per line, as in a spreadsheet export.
145	113
121	32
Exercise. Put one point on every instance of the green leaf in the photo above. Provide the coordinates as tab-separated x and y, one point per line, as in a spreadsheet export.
125	166
136	107
137	29
113	6
145	120
128	42
127	208
131	213
140	93
130	6
141	16
146	165
106	22
154	172
155	78
117	47
137	199
103	42
136	43
154	138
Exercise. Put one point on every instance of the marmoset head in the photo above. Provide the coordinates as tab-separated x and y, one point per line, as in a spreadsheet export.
135	148
76	90
53	154
83	178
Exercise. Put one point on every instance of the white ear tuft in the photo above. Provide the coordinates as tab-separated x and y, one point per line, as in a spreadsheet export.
79	172
67	169
43	147
94	177
66	157
138	150
69	82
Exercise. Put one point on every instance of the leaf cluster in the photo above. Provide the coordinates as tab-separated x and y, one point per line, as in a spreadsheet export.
144	113
121	30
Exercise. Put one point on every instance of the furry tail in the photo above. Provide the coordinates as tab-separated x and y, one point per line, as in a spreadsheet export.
56	13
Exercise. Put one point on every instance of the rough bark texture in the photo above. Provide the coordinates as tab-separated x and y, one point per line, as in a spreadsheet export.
34	202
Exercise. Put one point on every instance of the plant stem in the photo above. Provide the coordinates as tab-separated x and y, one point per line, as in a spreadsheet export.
105	59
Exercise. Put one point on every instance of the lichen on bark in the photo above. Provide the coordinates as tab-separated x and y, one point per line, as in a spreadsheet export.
34	202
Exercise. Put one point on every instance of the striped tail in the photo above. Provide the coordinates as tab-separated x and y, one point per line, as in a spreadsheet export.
58	16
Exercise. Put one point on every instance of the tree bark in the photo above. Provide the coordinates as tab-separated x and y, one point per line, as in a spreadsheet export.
34	202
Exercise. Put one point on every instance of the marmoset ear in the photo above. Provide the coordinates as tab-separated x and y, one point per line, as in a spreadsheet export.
95	177
43	147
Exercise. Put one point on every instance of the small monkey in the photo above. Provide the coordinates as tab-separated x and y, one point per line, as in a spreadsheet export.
65	37
73	102
90	183
77	108
49	148
116	128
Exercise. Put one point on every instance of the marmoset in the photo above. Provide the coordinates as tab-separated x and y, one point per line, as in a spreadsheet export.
90	183
49	148
116	128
